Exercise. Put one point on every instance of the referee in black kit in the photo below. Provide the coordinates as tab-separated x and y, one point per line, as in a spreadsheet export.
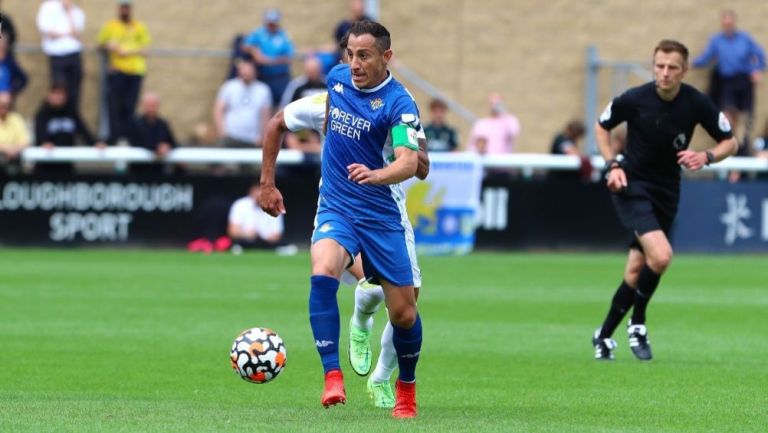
645	183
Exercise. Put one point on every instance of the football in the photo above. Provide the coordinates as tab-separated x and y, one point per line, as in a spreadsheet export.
258	355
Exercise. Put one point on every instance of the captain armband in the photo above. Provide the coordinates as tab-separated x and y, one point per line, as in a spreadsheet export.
404	136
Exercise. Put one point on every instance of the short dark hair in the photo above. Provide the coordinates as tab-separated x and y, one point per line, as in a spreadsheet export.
437	103
378	31
672	46
58	86
343	41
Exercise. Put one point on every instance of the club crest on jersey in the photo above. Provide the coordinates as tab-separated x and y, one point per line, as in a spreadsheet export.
338	88
376	104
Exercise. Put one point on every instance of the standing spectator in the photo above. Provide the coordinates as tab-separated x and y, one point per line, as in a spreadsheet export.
57	124
441	137
356	13
150	131
497	133
126	41
251	227
9	31
272	50
61	24
12	78
243	107
310	83
739	62
760	146
14	136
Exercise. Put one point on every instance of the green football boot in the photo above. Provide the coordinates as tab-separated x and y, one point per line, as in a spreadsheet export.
381	393
360	349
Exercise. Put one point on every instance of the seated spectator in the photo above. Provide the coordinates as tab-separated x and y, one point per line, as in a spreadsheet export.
242	109
251	227
440	136
497	133
566	143
760	145
12	78
14	136
272	50
9	31
152	132
310	83
58	124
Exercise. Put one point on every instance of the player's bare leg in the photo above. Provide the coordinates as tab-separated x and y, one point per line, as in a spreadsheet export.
328	261
406	337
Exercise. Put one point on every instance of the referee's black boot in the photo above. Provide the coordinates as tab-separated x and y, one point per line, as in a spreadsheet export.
638	341
603	347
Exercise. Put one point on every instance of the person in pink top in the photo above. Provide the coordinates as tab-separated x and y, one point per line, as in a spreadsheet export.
495	134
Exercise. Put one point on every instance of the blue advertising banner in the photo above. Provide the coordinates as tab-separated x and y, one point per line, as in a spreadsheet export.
443	208
722	217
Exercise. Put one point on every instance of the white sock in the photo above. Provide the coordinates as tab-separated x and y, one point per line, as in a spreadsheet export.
367	300
387	362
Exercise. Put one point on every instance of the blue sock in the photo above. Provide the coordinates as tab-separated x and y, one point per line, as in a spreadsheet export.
324	318
407	345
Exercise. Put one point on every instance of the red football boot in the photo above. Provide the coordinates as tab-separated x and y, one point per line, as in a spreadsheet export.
405	400
334	392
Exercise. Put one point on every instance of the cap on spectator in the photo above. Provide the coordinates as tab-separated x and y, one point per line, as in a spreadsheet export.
272	16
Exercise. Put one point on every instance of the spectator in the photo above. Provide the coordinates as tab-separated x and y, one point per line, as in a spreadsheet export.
739	62
126	41
356	13
12	78
14	136
272	50
251	227
58	124
9	31
242	108
566	142
150	131
760	146
440	136
61	24
310	83
495	134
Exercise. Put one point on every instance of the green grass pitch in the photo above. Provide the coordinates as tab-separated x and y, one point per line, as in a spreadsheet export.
138	341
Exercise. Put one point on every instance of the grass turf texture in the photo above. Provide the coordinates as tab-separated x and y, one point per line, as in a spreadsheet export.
126	341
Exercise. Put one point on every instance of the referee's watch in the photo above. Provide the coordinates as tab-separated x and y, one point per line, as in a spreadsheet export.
710	157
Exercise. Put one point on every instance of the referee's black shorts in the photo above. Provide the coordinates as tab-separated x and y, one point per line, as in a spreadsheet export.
644	207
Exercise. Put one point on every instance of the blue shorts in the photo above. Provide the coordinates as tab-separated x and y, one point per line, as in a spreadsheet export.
385	253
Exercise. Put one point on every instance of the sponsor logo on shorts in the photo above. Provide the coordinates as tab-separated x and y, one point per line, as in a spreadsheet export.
325	228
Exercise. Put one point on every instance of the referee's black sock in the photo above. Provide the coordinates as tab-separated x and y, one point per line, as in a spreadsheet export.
622	301
647	282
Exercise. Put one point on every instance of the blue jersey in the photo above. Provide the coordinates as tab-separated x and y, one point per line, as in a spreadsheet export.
360	130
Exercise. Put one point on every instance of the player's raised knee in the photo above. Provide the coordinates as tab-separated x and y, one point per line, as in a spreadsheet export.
660	262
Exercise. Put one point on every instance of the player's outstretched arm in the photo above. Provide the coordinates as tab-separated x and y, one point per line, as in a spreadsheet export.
422	171
403	167
693	160
270	198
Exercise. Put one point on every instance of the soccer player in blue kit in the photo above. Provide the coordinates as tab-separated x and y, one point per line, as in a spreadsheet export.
370	148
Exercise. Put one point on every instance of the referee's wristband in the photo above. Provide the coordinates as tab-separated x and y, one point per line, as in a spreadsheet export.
612	164
710	157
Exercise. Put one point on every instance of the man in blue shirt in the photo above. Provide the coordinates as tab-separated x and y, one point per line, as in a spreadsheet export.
739	62
272	50
371	147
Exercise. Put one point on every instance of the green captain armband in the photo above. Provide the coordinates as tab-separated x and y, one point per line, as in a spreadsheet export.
404	136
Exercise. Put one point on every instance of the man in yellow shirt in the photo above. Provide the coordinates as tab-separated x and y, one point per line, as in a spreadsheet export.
125	40
14	136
